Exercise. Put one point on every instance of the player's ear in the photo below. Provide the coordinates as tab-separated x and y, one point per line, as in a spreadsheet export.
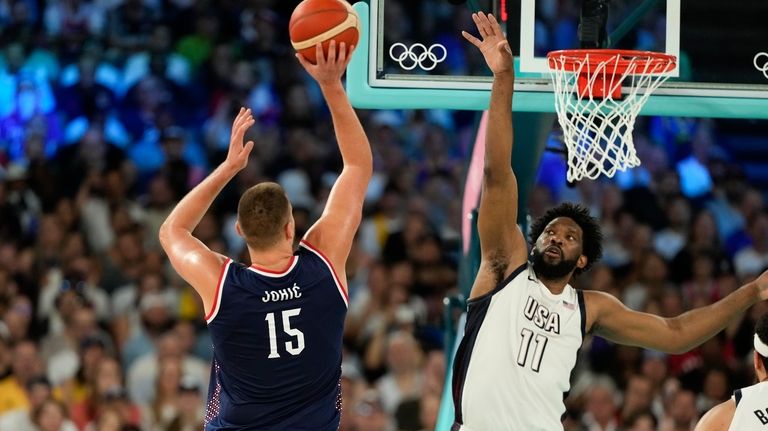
582	261
289	229
239	230
759	367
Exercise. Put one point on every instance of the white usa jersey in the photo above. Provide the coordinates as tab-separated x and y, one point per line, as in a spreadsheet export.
513	367
751	408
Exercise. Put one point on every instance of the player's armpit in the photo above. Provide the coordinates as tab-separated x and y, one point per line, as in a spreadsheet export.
718	418
494	268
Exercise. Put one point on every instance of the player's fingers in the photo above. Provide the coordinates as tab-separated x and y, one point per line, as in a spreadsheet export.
509	49
238	119
483	25
332	52
244	118
471	39
342	58
248	147
238	141
319	56
241	114
301	59
478	24
504	46
348	57
494	24
247	123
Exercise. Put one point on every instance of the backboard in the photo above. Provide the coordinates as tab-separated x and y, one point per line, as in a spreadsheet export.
412	54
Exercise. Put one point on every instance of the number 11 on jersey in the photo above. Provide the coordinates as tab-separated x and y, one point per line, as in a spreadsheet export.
290	347
538	350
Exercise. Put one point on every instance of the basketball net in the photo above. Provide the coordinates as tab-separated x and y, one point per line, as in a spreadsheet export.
598	95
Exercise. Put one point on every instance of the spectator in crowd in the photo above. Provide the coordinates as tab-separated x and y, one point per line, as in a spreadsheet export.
43	412
25	366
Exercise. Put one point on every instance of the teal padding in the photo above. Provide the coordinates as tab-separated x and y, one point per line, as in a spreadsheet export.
446	414
362	95
706	107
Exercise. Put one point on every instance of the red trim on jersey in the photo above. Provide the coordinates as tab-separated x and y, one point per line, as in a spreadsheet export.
219	287
342	288
281	272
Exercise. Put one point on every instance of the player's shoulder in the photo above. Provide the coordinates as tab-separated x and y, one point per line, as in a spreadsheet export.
718	418
311	256
599	301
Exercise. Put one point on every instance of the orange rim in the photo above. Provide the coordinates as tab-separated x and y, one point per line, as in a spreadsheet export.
615	61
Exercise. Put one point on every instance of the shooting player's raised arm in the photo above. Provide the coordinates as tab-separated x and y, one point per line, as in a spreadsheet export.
334	232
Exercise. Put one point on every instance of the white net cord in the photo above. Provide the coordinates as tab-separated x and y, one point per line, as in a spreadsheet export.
598	131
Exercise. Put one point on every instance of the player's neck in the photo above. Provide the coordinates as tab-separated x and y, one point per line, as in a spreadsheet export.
556	286
275	258
761	376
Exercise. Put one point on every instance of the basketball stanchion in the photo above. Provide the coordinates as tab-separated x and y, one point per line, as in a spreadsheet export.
598	95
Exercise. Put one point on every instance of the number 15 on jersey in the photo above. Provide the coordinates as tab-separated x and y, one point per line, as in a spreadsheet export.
296	345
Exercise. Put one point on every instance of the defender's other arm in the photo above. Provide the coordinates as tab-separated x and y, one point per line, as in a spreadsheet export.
611	319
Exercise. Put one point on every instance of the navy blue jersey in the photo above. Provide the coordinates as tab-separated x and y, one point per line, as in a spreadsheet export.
277	346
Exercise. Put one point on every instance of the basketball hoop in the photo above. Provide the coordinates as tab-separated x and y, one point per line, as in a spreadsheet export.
596	117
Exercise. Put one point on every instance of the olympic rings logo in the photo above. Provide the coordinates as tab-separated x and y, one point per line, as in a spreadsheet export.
417	55
764	67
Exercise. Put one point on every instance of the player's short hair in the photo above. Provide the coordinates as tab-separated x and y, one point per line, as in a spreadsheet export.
592	239
761	329
262	212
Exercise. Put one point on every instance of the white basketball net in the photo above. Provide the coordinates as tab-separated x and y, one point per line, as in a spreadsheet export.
598	131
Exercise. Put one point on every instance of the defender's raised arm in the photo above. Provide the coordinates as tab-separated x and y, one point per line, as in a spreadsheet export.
502	244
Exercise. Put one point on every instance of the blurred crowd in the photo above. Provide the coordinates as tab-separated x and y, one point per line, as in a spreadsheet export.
110	110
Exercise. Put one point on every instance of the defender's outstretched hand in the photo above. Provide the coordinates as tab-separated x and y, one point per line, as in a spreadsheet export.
328	70
493	44
237	156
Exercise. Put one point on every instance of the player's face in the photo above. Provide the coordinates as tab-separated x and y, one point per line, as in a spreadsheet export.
558	249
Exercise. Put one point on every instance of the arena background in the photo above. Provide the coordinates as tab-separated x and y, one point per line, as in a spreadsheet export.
110	110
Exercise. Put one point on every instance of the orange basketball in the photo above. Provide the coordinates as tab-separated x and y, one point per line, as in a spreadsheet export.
321	21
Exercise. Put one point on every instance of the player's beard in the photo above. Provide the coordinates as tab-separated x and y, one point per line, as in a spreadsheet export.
550	271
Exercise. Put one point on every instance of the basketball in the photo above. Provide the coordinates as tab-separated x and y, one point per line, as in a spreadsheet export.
321	21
